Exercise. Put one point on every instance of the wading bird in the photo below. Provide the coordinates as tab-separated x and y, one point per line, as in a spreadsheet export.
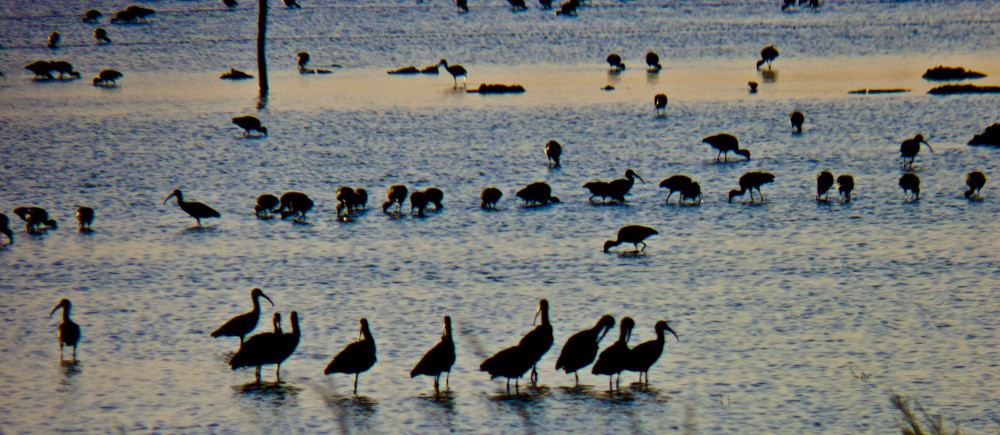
975	180
911	147
439	359
34	218
456	71
645	354
266	204
653	62
660	103
845	185
396	194
418	201
294	203
634	234
53	40
64	68
303	60
613	360
537	193
356	357
553	150
243	324
797	119
463	5
768	54
726	143
490	197
434	196
107	77
581	348
538	341
675	183
750	181
5	228
268	348
41	68
101	36
249	122
620	187
85	216
693	192
91	15
910	183
824	182
615	61
69	332
196	210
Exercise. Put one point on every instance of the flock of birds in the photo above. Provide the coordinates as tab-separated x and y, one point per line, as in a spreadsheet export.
579	351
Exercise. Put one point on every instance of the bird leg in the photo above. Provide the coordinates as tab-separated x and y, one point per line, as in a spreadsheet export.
356	383
277	374
74	353
446	379
577	376
534	375
60	351
257	374
436	390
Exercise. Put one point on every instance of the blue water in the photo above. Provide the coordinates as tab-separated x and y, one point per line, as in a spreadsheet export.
780	307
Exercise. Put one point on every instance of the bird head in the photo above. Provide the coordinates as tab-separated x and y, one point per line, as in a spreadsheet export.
443	62
256	293
632	173
733	193
743	152
664	325
920	138
609	244
263	129
64	304
605	324
543	309
626	327
176	192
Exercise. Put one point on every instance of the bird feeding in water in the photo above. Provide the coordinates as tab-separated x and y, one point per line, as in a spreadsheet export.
268	348
797	118
767	55
34	218
490	197
69	332
537	193
660	103
615	61
845	185
439	359
194	209
553	150
911	147
750	181
266	205
85	216
645	354
108	78
634	234
975	180
356	357
456	71
824	182
581	348
396	194
653	62
675	183
294	204
726	143
910	184
245	323
101	36
247	123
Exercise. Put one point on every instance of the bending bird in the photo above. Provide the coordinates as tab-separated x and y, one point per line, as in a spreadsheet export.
975	180
247	123
750	181
613	360
634	234
725	143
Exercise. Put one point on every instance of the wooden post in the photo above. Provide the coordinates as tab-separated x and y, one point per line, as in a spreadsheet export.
261	42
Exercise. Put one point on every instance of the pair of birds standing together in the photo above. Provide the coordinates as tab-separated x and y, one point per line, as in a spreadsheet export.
652	62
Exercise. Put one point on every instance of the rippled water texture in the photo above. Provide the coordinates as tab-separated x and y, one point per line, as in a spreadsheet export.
780	307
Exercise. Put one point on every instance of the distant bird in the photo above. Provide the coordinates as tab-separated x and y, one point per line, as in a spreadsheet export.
797	119
303	60
418	202
726	143
41	68
53	40
490	197
292	4
620	187
517	5
132	15
35	217
660	102
598	188
845	184
91	15
294	204
196	210
553	150
613	360
356	357
645	354
350	200
693	192
85	216
634	234
753	86
568	8
464	6
243	324
537	193
249	122
64	68
439	359
538	341
2	76
360	198
102	36
511	363
546	4
69	332
910	182
768	54
434	196
5	228
750	181
653	62
615	61
581	348
107	77
235	74
824	182
456	71
266	204
268	348
911	147
975	180
785	4
396	195
230	3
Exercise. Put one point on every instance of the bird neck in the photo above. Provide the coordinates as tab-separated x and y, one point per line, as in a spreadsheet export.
65	315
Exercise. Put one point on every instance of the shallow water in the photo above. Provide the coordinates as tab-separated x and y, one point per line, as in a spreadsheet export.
777	305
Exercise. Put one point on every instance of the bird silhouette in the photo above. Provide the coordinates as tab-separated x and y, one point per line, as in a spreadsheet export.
598	188
303	60
418	202
517	5
511	363
34	218
196	210
294	204
268	348
910	183
750	181
91	15
620	187
613	360
568	8
538	341
101	36
692	192
53	40
243	324
5	228
64	68
845	185
266	205
975	180
490	197
824	182
434	196
463	5
396	194
537	193
292	4
85	216
675	183
645	354
660	103
439	359
456	71
581	348
615	61
797	119
726	143
41	68
69	332
108	77
653	62
356	357
249	122
230	3
911	147
753	86
768	54
553	150
634	234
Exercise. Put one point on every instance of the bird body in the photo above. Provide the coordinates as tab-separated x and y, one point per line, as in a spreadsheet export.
653	62
292	4
396	194
675	183
845	184
107	77
463	5
266	205
85	216
196	210
911	147
418	202
634	234
615	61
537	193
620	187
767	55
439	359
537	342
824	182
249	122
726	143
750	181
660	103
268	348
456	71
434	196
303	60
797	118
91	15
101	36
490	197
294	203
356	357
243	324
53	40
517	5
511	363
975	180
645	354
69	332
553	150
693	192
614	359
598	188
5	228
35	217
581	348
41	68
568	8
64	68
910	182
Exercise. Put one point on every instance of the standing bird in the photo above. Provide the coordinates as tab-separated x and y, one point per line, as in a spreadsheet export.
247	123
634	234
598	188
85	216
845	184
439	359
675	183
653	62
797	119
196	210
266	204
69	332
463	5
418	202
268	348
490	197
303	60
511	363
396	195
693	192
615	61
645	354
537	193
553	150
243	324
910	183
752	86
750	181
108	77
975	180
581	348
456	71
911	147
53	40
620	187
613	360
824	182
726	143
660	102
768	54
102	36
64	68
538	341
5	228
356	357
